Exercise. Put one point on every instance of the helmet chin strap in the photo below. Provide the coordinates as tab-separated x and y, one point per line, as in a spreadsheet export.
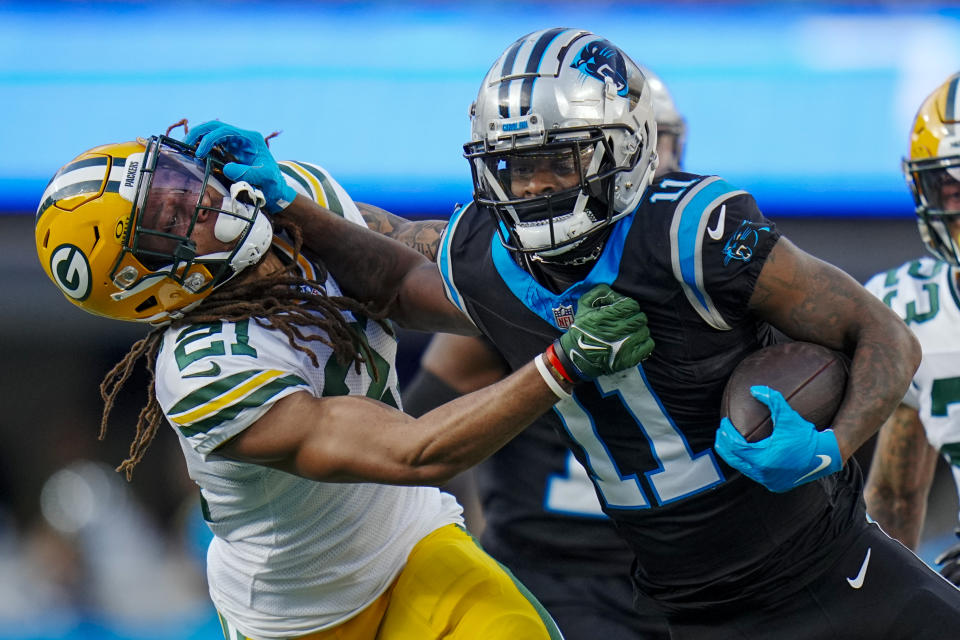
566	260
236	217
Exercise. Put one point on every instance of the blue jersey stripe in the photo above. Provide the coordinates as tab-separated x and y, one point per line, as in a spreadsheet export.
689	234
541	300
444	261
687	238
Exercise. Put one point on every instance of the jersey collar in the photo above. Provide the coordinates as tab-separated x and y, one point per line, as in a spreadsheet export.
544	302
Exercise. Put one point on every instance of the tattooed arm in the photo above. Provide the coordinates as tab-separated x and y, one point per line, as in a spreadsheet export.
900	476
423	236
374	268
810	300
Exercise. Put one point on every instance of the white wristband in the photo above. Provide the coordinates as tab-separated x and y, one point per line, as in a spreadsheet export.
544	370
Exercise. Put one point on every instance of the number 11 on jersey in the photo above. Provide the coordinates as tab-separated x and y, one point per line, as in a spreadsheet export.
680	473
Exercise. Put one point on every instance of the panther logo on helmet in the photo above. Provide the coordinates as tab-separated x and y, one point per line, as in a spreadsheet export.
602	60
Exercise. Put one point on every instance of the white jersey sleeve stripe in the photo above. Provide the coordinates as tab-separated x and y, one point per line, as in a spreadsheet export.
303	181
306	267
316	182
241	390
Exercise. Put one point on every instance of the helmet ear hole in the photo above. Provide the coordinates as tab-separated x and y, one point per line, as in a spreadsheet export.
146	304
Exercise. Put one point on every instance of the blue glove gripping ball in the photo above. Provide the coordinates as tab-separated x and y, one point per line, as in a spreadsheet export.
794	454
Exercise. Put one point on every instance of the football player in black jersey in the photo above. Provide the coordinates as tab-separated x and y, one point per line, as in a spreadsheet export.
730	539
540	513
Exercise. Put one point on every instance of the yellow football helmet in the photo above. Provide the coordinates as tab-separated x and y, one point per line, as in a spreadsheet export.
933	170
113	229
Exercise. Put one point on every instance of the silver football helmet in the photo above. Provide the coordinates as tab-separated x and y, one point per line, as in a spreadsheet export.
563	140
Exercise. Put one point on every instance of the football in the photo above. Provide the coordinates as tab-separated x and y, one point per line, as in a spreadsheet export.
812	378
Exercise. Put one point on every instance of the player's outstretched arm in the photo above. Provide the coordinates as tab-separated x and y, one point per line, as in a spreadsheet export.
356	439
423	236
900	476
368	266
811	300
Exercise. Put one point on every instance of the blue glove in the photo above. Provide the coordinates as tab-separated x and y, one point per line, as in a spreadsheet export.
254	162
794	454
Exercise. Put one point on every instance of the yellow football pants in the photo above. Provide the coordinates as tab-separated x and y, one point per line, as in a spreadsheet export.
450	589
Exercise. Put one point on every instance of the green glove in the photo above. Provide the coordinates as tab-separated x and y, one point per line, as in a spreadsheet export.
609	334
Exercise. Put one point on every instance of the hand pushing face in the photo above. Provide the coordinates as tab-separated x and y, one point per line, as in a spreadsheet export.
174	209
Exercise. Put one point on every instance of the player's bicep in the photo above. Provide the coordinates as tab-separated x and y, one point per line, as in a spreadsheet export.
900	476
809	299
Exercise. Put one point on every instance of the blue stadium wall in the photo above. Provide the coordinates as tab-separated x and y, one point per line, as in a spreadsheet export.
807	105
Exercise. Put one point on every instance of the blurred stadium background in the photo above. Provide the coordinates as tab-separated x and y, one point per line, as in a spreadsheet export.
806	104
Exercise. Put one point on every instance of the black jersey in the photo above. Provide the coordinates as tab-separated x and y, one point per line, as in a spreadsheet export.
690	254
541	510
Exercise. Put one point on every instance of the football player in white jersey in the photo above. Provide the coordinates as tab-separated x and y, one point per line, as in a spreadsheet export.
926	294
283	395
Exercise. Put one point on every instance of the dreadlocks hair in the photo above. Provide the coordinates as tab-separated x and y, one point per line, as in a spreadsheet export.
284	300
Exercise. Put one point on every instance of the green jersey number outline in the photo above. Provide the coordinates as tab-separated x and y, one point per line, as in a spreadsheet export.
932	290
196	332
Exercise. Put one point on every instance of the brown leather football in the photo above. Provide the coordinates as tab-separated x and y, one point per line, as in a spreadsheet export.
812	378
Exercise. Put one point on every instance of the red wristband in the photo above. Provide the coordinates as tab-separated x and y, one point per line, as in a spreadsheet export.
554	362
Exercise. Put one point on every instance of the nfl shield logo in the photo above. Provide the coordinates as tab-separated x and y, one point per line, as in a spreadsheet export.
563	315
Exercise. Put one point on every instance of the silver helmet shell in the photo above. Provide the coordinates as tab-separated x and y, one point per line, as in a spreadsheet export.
567	94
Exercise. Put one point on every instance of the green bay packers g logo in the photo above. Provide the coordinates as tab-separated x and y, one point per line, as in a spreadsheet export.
71	271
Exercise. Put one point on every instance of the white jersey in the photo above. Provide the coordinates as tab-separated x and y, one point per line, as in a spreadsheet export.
289	556
925	294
